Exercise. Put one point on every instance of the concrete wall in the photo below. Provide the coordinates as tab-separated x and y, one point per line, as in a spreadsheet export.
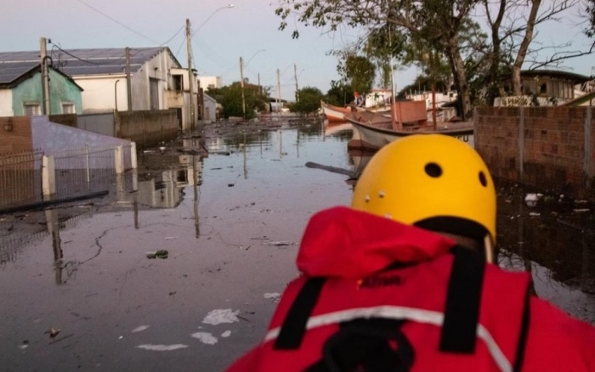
546	147
52	137
6	102
99	95
19	138
147	128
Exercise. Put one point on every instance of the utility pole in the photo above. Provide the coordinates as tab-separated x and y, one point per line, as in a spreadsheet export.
45	76
278	91
128	82
190	73
242	85
297	93
259	87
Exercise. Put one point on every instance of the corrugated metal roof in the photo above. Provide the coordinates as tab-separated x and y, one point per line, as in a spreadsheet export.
76	62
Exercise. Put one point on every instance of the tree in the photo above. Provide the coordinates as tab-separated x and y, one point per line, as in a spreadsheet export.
447	27
309	101
230	97
590	30
340	94
357	71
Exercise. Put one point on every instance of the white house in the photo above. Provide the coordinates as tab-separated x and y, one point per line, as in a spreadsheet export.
210	108
157	80
207	82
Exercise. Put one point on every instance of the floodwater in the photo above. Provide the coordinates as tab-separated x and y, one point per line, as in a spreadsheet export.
231	224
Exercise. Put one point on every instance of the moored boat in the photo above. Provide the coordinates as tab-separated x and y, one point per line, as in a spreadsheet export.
334	113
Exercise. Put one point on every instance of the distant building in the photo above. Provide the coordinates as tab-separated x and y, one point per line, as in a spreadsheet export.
207	82
21	89
547	88
158	81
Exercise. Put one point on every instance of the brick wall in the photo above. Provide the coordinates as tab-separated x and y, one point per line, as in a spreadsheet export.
546	147
19	138
147	128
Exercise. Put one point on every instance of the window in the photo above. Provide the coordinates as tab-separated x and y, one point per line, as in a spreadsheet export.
32	109
177	83
68	108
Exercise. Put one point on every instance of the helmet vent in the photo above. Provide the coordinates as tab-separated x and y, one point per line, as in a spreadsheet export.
382	193
483	179
433	170
367	198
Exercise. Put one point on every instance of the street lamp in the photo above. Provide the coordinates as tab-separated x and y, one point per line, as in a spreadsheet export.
229	6
254	55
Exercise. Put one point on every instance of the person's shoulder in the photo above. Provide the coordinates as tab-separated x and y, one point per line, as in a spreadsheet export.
557	340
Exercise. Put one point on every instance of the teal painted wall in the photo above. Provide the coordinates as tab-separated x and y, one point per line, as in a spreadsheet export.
61	90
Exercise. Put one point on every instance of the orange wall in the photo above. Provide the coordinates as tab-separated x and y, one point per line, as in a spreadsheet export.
20	138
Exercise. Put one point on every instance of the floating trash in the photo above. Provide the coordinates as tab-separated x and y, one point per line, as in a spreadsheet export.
205	338
162	347
140	329
220	316
163	254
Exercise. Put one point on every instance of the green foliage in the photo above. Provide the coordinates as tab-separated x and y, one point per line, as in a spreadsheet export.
340	94
309	100
230	97
358	71
590	31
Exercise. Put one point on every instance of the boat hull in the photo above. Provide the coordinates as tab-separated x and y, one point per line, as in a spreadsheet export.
373	137
334	114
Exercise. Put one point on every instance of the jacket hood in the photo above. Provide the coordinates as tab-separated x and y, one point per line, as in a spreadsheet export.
343	242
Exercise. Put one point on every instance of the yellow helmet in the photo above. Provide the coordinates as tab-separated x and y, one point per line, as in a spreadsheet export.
432	181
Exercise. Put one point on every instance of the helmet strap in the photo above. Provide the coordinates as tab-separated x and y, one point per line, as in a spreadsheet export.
489	249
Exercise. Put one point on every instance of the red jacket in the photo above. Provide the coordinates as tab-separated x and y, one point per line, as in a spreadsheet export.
352	250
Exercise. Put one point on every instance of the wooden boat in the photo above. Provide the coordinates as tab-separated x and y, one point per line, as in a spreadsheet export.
334	114
376	130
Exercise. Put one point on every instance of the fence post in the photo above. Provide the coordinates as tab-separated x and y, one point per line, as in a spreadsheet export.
522	144
588	149
87	163
48	176
119	159
133	159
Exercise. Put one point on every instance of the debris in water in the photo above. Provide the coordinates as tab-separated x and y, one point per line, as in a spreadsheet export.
226	334
230	185
281	243
275	296
205	338
53	332
220	316
24	345
140	329
581	210
532	199
532	214
163	254
162	347
169	238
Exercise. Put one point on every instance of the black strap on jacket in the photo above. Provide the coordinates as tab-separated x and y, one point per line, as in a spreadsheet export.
461	314
293	329
367	345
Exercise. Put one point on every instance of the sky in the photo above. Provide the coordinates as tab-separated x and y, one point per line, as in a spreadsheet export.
222	36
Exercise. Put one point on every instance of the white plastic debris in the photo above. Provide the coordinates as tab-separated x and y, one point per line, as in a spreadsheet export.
226	334
140	329
220	316
532	199
205	338
581	210
532	214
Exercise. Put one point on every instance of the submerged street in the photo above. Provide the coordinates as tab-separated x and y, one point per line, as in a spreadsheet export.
89	285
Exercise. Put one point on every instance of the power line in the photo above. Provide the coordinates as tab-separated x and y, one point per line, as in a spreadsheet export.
176	34
54	45
118	22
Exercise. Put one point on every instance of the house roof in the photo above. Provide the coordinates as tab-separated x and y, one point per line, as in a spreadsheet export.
78	62
28	73
576	78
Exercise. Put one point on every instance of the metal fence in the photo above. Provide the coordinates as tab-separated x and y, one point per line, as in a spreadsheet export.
76	171
20	177
84	170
